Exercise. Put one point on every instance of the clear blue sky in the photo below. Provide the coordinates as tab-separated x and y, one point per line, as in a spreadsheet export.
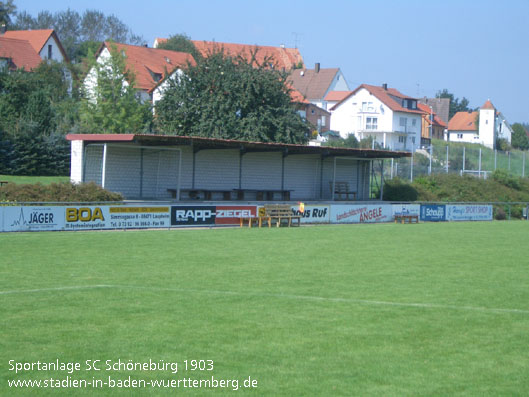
475	49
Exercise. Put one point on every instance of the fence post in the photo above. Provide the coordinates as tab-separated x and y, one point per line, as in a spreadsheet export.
430	165
447	158
509	155
523	164
479	163
464	159
411	168
495	158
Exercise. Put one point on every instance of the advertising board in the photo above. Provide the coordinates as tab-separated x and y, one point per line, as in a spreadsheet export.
469	212
406	209
313	213
366	213
33	218
115	217
433	212
230	214
193	215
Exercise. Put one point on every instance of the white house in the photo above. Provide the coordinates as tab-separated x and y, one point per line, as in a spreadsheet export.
45	42
391	118
151	66
481	127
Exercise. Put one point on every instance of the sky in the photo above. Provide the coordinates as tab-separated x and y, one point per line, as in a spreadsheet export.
476	49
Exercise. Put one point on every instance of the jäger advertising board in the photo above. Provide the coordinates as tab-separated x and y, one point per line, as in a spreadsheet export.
406	209
28	219
368	213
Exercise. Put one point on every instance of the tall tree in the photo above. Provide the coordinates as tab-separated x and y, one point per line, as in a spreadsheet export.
7	11
225	97
74	29
456	105
519	137
181	43
110	103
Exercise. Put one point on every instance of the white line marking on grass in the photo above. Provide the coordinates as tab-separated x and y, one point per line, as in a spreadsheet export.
73	287
271	295
325	299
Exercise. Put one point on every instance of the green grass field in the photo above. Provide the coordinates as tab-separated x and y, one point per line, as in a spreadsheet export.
350	310
45	180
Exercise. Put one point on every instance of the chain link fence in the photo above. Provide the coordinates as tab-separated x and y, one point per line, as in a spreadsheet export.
457	159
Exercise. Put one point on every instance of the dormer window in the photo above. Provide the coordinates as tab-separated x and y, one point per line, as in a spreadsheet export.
168	60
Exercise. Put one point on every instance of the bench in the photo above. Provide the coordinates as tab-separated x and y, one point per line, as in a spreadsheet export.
207	193
342	188
406	218
262	194
2	183
278	212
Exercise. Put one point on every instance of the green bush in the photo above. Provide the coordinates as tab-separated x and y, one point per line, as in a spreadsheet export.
397	190
56	192
506	179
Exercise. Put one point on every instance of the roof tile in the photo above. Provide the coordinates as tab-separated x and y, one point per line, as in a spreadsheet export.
463	121
20	53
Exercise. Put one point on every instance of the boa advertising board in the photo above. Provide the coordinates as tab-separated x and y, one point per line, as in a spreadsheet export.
470	212
313	213
115	217
367	213
31	219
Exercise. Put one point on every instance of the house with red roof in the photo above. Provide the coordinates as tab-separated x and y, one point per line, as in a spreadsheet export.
483	127
316	84
150	66
45	42
18	54
280	58
385	114
432	127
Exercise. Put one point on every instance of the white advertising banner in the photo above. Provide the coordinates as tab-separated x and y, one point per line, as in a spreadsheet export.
30	219
116	217
313	213
366	213
469	212
406	209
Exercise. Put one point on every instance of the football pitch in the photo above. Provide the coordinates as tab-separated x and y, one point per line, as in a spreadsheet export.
387	309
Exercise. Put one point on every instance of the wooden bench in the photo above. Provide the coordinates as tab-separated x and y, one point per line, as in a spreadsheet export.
406	218
278	212
262	194
342	188
2	183
207	193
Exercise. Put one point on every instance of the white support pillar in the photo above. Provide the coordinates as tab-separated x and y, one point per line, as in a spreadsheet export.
104	166
77	161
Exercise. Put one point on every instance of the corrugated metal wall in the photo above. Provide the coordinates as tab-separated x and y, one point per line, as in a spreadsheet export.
261	170
123	171
302	176
93	161
217	169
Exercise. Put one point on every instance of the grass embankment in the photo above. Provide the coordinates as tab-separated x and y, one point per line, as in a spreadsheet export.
44	180
320	311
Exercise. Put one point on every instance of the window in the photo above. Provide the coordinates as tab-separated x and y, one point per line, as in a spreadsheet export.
459	136
404	103
367	107
403	122
323	121
402	139
413	139
413	122
49	51
371	123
